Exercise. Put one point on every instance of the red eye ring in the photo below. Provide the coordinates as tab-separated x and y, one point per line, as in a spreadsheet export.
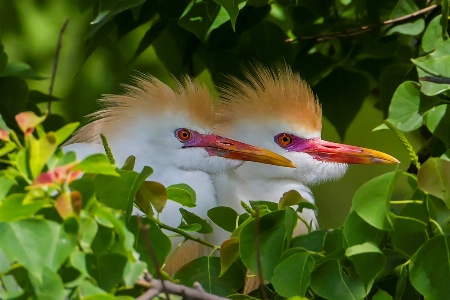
284	139
184	135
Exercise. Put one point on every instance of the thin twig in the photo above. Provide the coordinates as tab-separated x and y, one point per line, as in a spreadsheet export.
151	252
183	233
55	62
258	254
363	29
159	286
435	79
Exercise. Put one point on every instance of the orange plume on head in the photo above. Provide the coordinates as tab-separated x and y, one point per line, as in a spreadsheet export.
278	93
148	97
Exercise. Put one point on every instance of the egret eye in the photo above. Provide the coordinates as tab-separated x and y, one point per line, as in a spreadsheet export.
183	134
284	139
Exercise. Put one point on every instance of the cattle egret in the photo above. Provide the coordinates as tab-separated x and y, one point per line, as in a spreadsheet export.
275	109
171	131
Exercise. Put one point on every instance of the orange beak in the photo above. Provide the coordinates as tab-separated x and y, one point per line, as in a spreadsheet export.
217	145
341	153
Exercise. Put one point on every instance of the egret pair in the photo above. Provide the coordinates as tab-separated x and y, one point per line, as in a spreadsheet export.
272	110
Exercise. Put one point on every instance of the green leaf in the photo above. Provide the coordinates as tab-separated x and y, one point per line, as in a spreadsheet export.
437	120
434	178
6	184
65	132
331	282
107	269
151	193
382	295
10	289
405	109
182	193
87	231
292	276
312	241
14	207
201	17
40	152
271	234
407	242
232	8
50	243
192	218
225	217
48	285
411	28
132	272
159	242
206	270
110	8
229	252
432	37
433	67
97	164
368	261
430	268
150	35
357	231
22	70
371	201
119	192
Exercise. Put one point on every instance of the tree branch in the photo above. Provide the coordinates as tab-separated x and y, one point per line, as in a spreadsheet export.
363	29
55	61
183	233
157	287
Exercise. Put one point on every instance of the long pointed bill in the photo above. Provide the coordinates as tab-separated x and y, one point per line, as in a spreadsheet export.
220	146
341	153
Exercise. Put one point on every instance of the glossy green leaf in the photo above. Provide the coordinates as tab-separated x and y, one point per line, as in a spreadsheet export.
225	217
434	178
368	260
437	120
206	270
432	37
192	218
51	245
21	69
292	276
13	98
10	289
430	268
357	231
331	282
182	193
404	108
407	242
271	233
159	242
97	164
312	241
371	201
229	252
232	8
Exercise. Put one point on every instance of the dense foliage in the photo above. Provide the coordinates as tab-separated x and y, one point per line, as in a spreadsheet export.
63	235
